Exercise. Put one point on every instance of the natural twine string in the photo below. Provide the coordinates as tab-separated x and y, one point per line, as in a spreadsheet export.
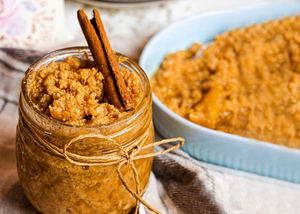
119	157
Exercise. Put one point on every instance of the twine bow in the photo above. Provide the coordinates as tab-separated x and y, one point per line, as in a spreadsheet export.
120	157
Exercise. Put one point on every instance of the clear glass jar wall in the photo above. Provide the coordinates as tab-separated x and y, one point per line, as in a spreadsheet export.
54	185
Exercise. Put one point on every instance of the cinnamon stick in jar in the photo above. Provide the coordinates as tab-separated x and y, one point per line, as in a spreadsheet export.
105	60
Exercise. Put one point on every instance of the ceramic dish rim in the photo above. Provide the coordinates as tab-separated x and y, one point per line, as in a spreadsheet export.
124	5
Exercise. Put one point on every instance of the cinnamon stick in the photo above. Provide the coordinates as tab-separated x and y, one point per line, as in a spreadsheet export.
105	60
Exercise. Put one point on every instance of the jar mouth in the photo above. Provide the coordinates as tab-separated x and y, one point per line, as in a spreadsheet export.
60	54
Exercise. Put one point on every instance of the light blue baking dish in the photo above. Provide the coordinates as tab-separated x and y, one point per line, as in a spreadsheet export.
209	145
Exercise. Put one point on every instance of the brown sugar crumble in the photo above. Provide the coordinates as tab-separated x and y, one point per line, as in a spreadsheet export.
72	92
246	82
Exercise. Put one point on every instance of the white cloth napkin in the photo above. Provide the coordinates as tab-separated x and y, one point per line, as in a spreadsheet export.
228	190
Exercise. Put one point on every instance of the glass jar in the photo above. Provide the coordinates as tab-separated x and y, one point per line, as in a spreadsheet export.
53	184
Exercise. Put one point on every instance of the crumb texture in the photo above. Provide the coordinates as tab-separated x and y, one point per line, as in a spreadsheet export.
245	82
72	91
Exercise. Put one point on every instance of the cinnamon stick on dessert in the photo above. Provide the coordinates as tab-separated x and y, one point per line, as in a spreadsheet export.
105	60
